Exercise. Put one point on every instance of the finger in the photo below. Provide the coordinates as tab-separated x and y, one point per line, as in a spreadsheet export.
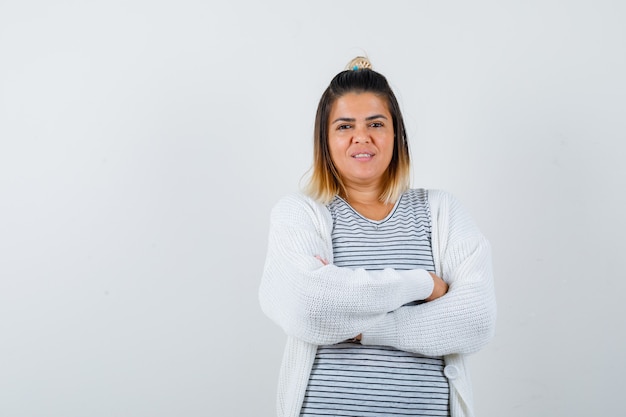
322	260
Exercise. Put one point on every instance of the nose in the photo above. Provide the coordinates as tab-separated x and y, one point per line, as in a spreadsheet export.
361	135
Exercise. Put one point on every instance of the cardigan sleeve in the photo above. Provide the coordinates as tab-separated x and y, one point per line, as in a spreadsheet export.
325	304
463	320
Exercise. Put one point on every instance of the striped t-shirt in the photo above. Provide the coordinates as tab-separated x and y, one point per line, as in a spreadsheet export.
350	379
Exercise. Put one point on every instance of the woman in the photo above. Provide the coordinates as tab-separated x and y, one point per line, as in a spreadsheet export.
381	289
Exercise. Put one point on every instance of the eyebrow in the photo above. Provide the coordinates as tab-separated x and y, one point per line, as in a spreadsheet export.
351	119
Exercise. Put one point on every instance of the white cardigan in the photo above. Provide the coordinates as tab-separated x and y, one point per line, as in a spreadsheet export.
317	305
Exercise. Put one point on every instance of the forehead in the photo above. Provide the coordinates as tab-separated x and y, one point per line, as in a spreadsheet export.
359	105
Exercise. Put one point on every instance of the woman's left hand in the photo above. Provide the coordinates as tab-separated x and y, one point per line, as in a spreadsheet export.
440	288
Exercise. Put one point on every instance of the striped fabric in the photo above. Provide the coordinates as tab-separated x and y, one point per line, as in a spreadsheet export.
350	379
400	241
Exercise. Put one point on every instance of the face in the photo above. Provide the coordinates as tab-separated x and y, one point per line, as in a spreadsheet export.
361	139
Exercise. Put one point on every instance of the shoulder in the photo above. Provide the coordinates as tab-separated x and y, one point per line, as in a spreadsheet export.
438	197
298	208
431	194
442	201
449	213
296	202
433	197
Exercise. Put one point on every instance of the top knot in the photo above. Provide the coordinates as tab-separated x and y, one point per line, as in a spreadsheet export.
360	62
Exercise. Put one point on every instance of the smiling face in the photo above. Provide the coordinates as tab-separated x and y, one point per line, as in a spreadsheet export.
361	139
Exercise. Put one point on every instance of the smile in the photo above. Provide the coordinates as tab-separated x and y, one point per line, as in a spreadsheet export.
363	155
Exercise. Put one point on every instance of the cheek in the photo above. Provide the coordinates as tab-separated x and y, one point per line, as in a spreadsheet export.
334	152
331	147
390	145
336	146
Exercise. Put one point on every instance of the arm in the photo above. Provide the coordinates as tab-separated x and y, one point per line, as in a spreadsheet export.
324	304
461	321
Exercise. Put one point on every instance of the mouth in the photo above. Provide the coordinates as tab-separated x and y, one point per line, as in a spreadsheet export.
362	155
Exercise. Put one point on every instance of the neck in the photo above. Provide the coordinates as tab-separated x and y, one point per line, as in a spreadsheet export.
366	201
365	196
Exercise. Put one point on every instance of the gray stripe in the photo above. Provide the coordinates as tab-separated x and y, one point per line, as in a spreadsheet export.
349	379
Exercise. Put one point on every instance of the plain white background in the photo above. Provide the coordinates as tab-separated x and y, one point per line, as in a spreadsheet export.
143	144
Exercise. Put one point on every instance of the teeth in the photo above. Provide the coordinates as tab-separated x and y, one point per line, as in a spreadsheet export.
363	155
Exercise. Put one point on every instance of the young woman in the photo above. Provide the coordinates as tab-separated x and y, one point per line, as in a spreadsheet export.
381	289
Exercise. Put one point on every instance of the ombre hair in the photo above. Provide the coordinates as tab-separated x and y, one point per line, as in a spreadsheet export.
325	182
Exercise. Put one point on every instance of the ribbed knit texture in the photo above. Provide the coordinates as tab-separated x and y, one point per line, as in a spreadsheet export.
317	305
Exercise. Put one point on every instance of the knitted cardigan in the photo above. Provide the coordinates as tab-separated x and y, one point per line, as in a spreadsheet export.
318	305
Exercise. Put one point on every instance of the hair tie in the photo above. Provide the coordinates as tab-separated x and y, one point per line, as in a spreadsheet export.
359	63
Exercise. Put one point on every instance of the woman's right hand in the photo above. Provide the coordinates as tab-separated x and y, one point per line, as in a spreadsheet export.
439	289
322	260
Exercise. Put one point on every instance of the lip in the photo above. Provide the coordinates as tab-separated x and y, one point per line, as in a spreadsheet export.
362	155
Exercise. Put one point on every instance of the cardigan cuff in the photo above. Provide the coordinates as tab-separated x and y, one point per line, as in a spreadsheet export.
419	284
383	333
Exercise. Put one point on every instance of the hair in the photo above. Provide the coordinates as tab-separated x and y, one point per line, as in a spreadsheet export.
325	182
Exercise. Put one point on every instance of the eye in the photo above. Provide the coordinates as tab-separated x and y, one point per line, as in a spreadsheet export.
377	124
344	127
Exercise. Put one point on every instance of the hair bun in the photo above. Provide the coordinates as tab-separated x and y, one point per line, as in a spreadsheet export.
360	62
